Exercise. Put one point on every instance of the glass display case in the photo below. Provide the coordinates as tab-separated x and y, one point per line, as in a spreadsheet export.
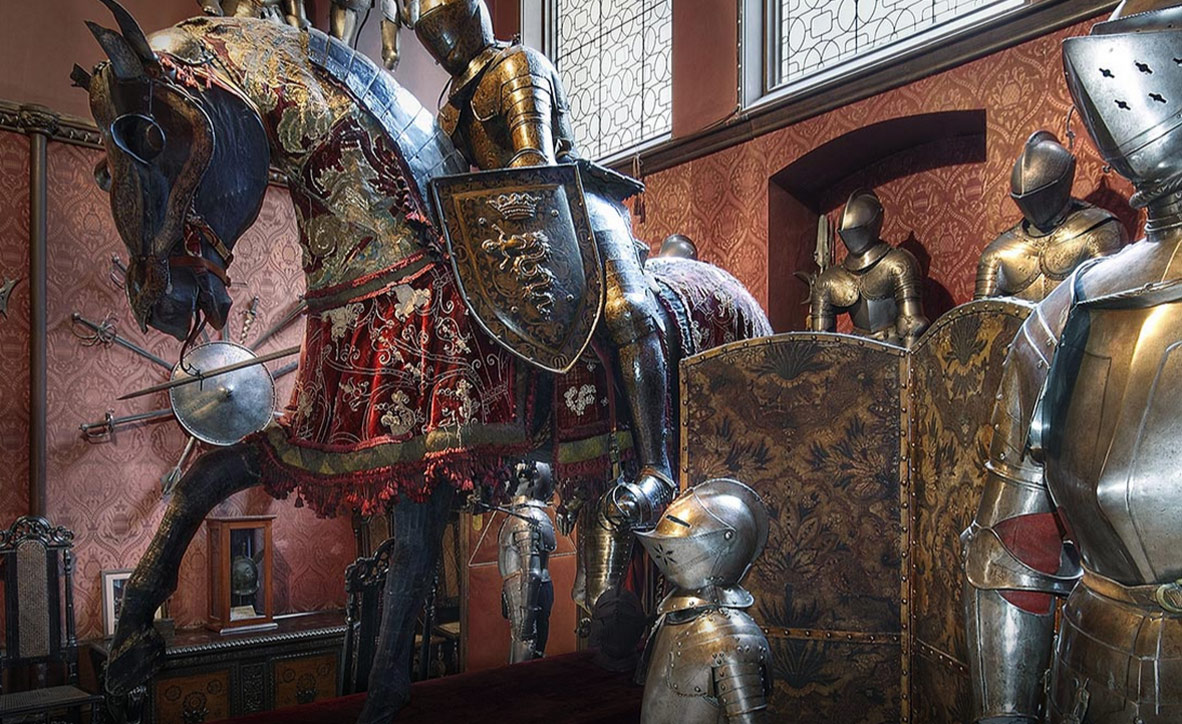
240	573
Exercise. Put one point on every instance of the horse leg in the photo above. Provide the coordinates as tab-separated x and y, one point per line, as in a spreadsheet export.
418	535
137	650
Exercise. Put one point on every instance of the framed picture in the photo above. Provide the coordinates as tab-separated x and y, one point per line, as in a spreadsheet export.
114	583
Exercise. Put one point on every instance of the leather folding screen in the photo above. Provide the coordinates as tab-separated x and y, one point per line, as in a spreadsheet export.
870	459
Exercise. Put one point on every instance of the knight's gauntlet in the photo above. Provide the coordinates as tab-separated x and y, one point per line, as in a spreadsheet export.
639	504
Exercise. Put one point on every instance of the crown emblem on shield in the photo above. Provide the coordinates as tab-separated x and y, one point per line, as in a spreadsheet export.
515	206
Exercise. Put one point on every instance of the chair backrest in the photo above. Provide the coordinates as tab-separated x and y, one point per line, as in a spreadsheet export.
38	604
365	581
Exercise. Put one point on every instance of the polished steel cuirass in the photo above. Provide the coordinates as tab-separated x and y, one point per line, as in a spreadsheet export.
1021	264
871	295
1117	467
691	665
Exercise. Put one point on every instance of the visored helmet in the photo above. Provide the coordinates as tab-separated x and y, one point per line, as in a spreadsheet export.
861	221
1040	183
532	480
709	535
453	31
1127	86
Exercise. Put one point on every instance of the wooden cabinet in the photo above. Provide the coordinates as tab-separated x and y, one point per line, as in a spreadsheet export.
208	677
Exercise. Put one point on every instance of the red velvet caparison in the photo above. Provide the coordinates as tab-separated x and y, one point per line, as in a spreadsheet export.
568	689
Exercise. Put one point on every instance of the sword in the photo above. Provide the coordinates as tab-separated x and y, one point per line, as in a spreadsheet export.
104	333
95	431
199	376
281	325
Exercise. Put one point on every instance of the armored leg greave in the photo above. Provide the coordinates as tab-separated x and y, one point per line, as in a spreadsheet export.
418	531
604	554
137	648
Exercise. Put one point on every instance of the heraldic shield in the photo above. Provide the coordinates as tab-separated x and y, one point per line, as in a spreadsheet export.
524	255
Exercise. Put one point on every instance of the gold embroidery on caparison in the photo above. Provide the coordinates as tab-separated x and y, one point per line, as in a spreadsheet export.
359	232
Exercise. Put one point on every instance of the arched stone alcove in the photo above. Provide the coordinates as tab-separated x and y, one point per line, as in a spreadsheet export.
876	156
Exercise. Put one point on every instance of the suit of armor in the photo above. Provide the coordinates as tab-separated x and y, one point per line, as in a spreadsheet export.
1056	234
1084	456
708	660
507	108
877	284
526	541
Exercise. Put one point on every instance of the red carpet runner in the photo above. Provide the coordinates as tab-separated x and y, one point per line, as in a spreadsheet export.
566	689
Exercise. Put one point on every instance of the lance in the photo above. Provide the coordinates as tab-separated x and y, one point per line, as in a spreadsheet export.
105	333
201	375
281	325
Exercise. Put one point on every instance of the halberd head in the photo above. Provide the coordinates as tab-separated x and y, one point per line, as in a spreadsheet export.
186	169
1040	183
709	536
1126	82
453	31
861	221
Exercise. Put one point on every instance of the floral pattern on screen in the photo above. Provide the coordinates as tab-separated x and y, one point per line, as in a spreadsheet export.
814	36
614	60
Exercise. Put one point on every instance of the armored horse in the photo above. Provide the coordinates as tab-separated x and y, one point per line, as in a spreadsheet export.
400	399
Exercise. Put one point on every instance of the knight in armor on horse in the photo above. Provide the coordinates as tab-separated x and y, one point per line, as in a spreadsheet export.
507	109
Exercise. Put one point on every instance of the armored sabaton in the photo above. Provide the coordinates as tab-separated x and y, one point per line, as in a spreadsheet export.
1092	388
525	542
877	284
708	660
1056	234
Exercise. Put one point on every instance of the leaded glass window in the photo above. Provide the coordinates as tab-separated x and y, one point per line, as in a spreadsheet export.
614	60
813	37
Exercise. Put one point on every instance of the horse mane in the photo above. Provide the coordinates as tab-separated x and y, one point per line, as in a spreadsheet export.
261	47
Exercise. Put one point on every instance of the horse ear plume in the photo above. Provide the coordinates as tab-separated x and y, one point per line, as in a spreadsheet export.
80	78
131	31
124	61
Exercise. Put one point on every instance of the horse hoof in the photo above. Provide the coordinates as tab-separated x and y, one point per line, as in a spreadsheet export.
134	659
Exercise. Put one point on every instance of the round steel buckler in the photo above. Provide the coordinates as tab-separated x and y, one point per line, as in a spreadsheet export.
1169	597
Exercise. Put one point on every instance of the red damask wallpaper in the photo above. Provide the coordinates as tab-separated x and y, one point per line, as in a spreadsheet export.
14	328
951	212
109	492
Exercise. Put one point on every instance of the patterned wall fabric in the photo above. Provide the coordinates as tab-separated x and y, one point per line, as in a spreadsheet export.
14	329
859	588
109	493
953	211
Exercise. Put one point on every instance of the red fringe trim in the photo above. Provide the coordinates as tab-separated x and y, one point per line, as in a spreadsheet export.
372	491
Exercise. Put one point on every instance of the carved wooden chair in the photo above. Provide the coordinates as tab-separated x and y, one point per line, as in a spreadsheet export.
365	579
37	563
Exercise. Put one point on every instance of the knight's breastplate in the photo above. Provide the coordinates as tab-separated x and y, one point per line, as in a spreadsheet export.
679	684
875	309
1030	267
1113	438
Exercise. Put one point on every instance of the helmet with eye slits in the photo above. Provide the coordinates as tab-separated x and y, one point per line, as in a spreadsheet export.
453	31
1126	82
709	535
